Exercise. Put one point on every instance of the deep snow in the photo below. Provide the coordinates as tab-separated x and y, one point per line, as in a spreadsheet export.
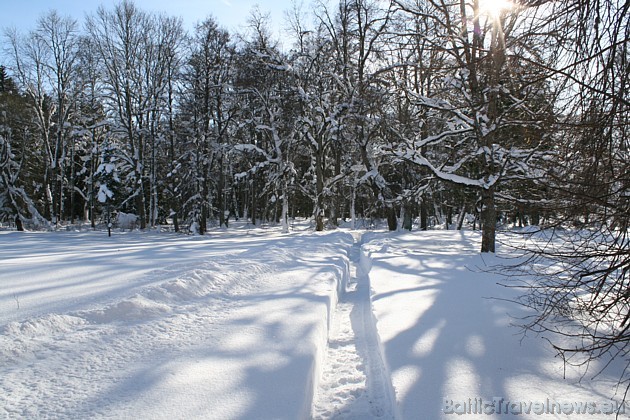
257	324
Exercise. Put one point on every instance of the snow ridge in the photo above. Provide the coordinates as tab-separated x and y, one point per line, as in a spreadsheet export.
355	383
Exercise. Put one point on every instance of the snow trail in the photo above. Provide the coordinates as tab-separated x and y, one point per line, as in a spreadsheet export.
354	382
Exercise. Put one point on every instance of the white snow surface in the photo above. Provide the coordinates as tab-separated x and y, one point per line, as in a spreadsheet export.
146	325
449	336
255	324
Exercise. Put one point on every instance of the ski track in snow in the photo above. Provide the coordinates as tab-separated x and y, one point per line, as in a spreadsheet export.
354	382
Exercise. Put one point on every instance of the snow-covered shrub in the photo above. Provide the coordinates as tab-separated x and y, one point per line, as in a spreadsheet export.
126	220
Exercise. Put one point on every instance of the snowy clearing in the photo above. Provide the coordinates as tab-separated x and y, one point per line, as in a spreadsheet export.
254	324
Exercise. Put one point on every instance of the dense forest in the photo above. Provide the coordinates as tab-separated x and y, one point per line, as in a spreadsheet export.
501	112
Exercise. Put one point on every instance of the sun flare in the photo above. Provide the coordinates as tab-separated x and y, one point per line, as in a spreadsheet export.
495	7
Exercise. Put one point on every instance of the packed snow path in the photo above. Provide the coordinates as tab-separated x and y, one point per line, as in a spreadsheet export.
354	382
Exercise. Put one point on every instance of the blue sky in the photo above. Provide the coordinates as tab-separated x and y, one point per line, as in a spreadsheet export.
230	14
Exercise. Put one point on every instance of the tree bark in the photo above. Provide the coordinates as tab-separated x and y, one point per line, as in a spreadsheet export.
423	215
392	220
488	220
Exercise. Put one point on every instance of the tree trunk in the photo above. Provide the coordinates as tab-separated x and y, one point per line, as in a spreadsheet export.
285	210
254	204
461	216
176	222
93	168
488	220
449	217
203	218
140	205
407	219
392	220
319	219
220	194
423	215
318	212
353	211
72	182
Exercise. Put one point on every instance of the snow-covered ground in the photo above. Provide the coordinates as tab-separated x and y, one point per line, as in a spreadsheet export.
145	325
450	346
254	324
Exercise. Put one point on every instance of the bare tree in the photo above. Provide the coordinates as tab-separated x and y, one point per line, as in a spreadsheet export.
582	260
207	113
323	113
30	55
120	40
162	65
60	37
356	37
483	119
266	84
91	125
